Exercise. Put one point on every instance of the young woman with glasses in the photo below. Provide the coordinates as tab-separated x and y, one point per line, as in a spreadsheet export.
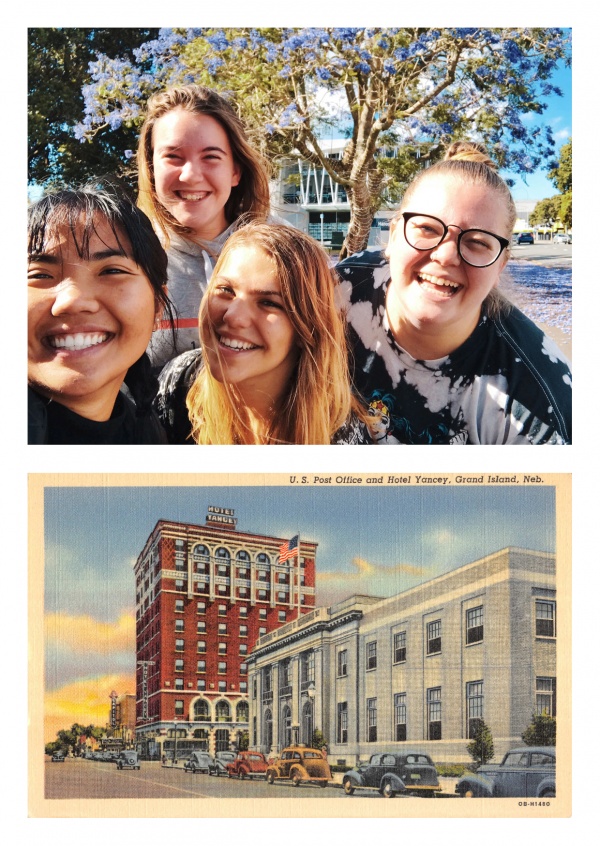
440	356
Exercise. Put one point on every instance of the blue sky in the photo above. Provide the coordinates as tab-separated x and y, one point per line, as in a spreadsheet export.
407	534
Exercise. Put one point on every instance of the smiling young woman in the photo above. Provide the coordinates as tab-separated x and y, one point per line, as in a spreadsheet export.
197	176
273	365
436	349
96	276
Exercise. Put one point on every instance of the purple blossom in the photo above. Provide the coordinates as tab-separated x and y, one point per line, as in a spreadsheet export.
218	41
362	67
323	73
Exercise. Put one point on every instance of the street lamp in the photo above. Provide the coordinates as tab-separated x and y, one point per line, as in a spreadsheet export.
175	743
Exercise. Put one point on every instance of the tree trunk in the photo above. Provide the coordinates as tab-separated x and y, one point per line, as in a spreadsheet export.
362	210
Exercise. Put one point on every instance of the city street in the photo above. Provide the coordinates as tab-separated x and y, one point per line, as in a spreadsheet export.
542	252
77	778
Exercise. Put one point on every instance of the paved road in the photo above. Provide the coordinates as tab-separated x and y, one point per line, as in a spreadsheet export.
544	253
80	779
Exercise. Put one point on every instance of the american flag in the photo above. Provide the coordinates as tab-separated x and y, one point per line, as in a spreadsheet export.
288	550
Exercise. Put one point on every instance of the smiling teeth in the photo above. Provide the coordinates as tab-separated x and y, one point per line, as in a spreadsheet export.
78	341
199	196
237	345
435	280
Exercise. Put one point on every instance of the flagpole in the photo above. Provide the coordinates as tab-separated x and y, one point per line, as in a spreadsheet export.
298	575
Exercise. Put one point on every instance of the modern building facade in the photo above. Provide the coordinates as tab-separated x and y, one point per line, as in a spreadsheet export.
204	595
417	669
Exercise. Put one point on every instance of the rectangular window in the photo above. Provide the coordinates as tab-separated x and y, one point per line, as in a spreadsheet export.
179	606
262	613
222	628
179	665
262	594
372	720
222	686
179	707
243	631
201	684
545	618
399	647
400	716
221	667
434	637
307	667
254	733
201	627
372	655
342	662
222	588
282	578
243	669
243	648
222	648
281	595
222	610
243	687
179	644
178	584
254	689
262	631
342	722
475	625
201	667
179	564
243	611
434	713
178	684
201	607
201	646
179	625
545	696
281	616
474	707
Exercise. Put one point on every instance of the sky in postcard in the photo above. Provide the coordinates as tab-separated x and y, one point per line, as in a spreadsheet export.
370	540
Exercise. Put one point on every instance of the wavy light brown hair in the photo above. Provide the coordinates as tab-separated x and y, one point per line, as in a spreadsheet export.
250	197
469	161
319	398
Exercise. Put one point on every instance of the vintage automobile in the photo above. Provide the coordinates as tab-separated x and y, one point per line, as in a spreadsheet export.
247	764
298	764
199	762
530	771
128	759
219	765
407	772
58	757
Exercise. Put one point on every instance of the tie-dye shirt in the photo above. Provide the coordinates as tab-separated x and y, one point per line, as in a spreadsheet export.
508	383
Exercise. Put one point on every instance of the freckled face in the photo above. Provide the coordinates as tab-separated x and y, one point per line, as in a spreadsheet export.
437	290
194	170
89	320
257	344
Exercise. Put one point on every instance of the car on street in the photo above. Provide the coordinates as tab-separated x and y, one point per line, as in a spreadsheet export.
221	760
299	764
199	762
407	772
247	764
58	757
128	759
525	238
529	771
562	238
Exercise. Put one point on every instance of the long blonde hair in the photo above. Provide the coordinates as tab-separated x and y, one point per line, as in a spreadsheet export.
250	197
319	399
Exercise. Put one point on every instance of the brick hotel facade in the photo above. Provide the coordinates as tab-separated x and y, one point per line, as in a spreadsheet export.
204	595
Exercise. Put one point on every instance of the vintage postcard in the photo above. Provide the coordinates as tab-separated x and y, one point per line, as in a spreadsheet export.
251	645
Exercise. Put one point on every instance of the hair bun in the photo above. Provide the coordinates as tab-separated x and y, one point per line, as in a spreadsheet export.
469	151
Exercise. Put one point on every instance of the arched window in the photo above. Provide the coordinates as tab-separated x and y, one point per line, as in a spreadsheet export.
307	723
242	712
242	555
223	553
223	712
263	558
202	711
268	730
286	727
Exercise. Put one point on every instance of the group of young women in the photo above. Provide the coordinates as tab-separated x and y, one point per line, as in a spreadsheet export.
195	317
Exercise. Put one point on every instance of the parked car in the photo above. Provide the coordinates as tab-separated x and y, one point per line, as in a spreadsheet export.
247	764
391	773
525	238
199	762
562	238
221	760
530	771
128	759
58	757
298	764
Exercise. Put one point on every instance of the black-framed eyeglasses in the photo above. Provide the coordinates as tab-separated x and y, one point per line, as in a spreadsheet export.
476	247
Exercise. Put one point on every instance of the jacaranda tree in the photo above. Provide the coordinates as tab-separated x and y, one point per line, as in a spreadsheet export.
413	90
